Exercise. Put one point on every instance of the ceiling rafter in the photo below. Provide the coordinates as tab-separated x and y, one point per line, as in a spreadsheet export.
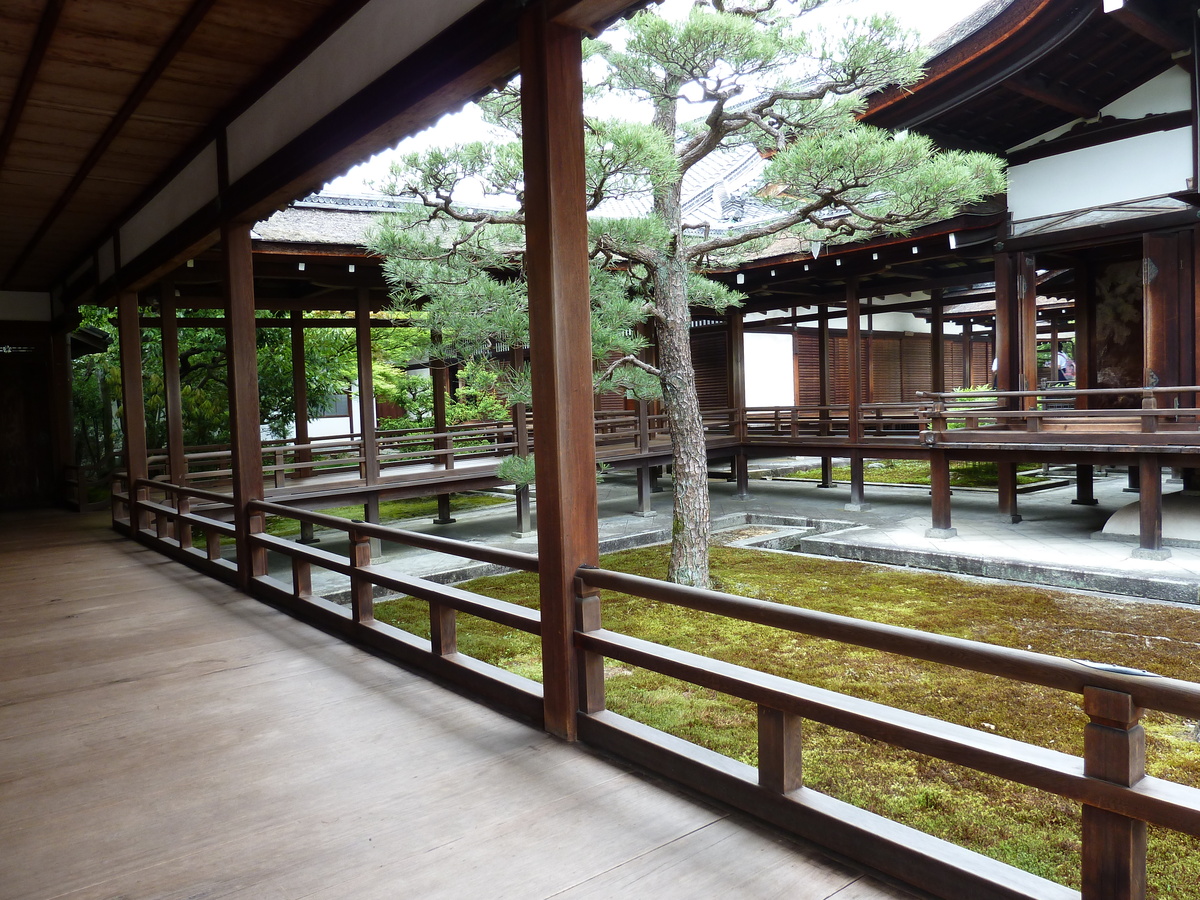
1140	20
33	64
166	54
1038	89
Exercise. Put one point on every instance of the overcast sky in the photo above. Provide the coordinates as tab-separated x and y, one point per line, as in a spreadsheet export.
927	17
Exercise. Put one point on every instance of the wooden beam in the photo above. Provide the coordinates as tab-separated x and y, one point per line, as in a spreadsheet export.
1140	20
1043	93
560	343
165	56
244	413
33	64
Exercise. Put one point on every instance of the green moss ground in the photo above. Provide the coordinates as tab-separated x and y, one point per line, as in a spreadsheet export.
914	471
1024	827
389	511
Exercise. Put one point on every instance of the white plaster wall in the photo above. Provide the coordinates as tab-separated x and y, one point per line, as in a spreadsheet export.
770	370
1150	165
24	306
380	35
188	191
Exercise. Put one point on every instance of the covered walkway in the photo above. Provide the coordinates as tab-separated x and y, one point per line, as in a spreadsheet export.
163	735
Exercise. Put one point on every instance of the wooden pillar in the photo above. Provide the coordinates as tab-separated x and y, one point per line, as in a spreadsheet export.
521	434
1150	545
133	403
242	354
968	329
737	399
560	343
300	394
939	481
440	375
1085	477
1085	333
176	459
824	396
1160	309
1026	359
854	354
1113	860
937	346
366	385
1007	375
62	422
1006	477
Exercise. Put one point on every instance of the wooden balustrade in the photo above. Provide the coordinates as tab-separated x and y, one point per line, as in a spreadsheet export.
1119	800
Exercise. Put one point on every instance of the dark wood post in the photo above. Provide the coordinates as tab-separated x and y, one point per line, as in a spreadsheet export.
521	434
1085	333
300	397
645	475
737	398
62	422
241	350
855	357
1027	327
560	343
968	328
1160	309
780	764
177	465
1085	486
1150	545
939	481
937	346
1007	367
440	375
1006	480
133	405
362	592
824	395
1114	749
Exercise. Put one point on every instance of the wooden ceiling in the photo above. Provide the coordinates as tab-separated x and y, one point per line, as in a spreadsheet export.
100	97
102	101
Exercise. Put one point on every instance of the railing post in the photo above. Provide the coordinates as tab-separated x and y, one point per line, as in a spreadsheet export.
1114	750
589	666
212	544
362	599
301	578
779	759
1006	490
939	482
1150	414
443	629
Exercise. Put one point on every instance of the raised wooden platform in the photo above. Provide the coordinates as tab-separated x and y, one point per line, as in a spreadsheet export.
162	735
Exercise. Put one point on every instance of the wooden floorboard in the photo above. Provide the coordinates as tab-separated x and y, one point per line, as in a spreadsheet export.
162	735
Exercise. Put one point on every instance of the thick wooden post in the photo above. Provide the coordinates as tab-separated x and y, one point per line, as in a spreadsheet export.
1160	309
1006	357
521	435
1006	482
1114	847
1085	486
1150	545
854	355
560	343
362	592
937	345
176	459
968	328
1027	327
939	481
737	399
366	386
241	350
824	395
440	375
300	396
133	404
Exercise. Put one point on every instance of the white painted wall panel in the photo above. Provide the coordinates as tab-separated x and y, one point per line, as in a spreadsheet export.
195	186
770	370
25	306
380	35
1150	165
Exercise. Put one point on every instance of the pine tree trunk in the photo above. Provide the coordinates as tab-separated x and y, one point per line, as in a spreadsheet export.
690	523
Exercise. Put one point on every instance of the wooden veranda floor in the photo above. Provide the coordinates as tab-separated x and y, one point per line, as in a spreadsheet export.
162	735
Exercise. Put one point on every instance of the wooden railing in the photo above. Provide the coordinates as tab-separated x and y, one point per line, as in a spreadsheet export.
1118	799
767	424
1135	417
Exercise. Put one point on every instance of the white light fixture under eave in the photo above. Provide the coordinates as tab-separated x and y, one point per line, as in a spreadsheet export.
953	241
1113	5
815	248
741	278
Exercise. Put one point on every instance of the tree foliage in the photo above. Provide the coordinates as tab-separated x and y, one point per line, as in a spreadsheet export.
743	74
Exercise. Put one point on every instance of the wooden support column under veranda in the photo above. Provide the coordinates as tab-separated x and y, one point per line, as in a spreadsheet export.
737	399
560	346
244	418
939	489
854	355
133	406
366	404
1150	542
